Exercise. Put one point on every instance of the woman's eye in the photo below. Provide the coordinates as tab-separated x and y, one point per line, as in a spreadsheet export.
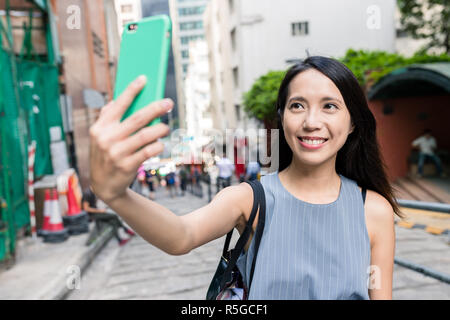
330	105
293	106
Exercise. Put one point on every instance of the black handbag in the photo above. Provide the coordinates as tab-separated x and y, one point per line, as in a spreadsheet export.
227	282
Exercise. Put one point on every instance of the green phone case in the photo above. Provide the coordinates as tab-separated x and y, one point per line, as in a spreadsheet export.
144	50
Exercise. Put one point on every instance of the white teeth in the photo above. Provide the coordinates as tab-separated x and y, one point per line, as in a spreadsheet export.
313	142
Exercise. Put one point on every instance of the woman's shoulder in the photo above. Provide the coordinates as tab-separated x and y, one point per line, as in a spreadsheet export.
378	205
379	214
374	201
240	195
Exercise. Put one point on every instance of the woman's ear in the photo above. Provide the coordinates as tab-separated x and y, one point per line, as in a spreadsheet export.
352	128
280	115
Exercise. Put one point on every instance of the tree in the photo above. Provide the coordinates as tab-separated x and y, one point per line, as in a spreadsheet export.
427	19
371	66
260	100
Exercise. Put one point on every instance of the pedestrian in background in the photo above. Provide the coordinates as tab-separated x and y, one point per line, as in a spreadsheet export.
89	203
170	183
426	144
149	177
141	181
226	168
253	169
183	179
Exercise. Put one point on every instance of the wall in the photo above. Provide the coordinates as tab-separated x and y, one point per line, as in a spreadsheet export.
85	65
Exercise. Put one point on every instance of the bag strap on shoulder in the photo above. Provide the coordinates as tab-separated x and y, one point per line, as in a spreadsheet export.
363	193
258	198
259	228
248	226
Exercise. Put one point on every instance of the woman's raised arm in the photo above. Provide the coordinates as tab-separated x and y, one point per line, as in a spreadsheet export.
117	149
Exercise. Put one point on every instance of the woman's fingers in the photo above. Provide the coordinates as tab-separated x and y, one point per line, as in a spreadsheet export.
141	118
133	162
121	104
143	137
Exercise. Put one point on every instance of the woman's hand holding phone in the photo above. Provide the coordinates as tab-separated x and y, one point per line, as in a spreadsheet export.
117	149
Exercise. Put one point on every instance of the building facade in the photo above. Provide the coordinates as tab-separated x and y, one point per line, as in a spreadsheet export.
87	70
127	11
249	38
198	118
159	7
187	25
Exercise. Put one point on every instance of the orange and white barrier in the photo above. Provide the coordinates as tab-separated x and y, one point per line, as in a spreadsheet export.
31	158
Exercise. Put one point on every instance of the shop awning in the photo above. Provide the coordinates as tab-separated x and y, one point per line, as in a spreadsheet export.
414	80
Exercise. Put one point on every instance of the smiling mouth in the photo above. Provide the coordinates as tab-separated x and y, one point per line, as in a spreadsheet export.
313	142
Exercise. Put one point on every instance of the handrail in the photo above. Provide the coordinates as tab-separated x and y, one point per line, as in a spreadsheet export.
432	206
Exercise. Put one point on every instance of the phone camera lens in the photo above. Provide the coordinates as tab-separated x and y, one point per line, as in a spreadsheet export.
132	27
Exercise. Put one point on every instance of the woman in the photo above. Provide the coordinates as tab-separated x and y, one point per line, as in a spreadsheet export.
320	240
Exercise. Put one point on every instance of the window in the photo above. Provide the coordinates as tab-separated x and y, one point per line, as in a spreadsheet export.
191	11
185	68
401	33
300	28
184	40
238	112
126	8
187	39
236	77
191	25
185	54
233	39
231	4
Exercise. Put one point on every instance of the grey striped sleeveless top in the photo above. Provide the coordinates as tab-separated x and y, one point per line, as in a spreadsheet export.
310	251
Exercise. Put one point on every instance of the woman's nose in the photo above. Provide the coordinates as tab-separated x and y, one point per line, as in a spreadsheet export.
312	120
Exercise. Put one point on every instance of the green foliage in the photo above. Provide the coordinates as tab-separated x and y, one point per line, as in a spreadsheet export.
370	66
427	19
260	100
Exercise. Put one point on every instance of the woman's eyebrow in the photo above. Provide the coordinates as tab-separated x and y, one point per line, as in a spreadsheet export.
300	98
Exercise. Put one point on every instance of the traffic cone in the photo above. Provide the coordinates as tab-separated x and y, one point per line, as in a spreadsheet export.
56	231
74	208
47	212
76	220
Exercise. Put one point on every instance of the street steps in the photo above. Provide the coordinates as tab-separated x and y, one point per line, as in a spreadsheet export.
440	194
416	191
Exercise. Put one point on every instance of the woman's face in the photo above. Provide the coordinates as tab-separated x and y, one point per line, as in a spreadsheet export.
316	121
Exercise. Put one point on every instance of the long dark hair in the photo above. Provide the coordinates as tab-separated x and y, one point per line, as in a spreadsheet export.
360	158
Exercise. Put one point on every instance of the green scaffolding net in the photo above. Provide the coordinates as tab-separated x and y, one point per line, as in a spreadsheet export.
29	106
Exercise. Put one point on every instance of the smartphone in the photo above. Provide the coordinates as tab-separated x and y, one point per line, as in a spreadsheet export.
144	49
